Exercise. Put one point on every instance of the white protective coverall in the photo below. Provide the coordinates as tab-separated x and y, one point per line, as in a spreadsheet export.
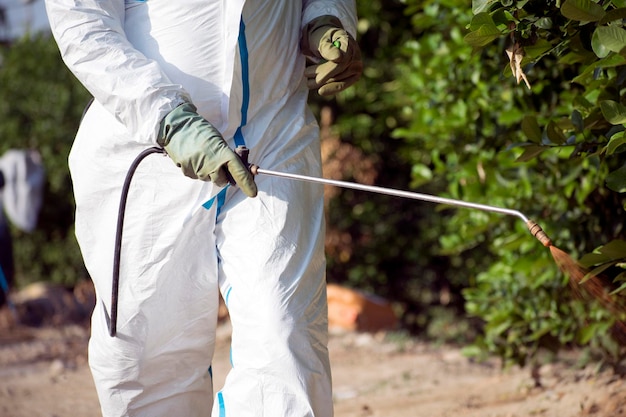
184	240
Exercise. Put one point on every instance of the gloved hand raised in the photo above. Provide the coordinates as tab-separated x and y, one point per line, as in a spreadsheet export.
200	151
325	39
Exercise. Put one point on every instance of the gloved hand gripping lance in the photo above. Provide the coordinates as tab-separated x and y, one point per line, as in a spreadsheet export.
201	152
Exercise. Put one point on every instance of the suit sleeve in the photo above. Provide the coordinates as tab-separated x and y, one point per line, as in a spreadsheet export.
345	10
91	39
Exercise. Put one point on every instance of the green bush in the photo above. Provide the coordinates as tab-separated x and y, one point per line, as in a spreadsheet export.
571	135
441	113
40	107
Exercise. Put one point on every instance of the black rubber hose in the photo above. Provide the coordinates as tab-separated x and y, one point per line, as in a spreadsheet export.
118	236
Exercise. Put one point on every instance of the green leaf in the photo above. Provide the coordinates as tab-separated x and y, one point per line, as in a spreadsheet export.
613	60
615	142
614	14
479	6
544	23
598	47
588	332
530	152
538	49
613	112
618	289
582	10
613	251
555	134
596	271
420	174
531	129
577	121
484	35
610	61
616	180
502	18
611	37
481	19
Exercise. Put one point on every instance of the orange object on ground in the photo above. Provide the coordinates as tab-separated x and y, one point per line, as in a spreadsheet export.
355	310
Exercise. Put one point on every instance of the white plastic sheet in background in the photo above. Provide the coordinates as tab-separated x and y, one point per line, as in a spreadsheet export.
22	194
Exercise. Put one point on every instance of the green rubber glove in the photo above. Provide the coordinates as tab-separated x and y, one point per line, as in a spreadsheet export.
201	152
338	53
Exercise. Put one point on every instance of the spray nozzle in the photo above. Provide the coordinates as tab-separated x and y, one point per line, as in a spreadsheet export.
538	232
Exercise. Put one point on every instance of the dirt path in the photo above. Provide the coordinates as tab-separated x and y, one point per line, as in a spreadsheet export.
43	373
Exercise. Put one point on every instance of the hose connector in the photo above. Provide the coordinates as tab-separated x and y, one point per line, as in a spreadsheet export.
538	232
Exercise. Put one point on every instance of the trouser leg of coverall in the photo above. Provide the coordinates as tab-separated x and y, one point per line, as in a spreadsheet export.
158	364
272	277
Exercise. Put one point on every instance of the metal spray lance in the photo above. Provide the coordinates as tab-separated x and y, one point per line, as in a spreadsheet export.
533	227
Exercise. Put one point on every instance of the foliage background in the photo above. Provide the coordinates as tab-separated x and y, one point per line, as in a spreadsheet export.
40	107
443	114
437	111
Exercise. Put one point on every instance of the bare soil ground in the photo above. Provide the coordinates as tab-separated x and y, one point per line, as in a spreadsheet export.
44	373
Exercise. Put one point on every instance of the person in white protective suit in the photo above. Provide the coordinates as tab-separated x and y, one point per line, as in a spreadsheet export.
200	78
